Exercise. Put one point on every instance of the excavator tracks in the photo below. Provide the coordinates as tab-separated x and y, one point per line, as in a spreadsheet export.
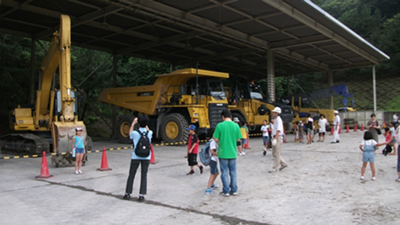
24	143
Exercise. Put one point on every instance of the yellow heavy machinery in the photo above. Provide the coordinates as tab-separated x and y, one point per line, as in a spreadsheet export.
175	100
250	104
54	111
301	114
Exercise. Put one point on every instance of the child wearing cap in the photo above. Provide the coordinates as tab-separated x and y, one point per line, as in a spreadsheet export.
79	148
239	143
193	149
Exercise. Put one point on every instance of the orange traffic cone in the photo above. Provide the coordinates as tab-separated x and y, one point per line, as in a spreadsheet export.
44	171
152	158
362	127
246	146
355	127
347	128
331	130
384	124
340	130
104	163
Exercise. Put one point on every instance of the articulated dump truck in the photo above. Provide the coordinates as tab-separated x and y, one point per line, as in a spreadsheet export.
175	100
52	120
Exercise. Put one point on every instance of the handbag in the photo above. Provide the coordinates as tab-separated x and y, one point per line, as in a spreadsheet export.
378	131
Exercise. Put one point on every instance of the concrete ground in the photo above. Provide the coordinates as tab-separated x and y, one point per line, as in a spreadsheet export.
320	186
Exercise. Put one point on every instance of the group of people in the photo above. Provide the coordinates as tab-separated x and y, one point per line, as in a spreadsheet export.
224	143
223	149
370	144
308	128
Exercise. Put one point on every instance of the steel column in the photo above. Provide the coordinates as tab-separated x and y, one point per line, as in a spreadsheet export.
330	81
271	75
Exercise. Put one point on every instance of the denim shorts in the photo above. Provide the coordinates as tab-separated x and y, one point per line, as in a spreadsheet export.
244	141
79	151
265	139
213	167
368	156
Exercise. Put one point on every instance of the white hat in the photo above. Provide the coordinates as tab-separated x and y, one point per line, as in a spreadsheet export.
336	112
277	110
235	119
78	128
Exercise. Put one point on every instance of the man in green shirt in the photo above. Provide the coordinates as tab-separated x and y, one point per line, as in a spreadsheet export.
227	133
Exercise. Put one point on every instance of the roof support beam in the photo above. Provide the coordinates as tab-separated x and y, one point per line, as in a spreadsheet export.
76	21
300	42
167	40
220	55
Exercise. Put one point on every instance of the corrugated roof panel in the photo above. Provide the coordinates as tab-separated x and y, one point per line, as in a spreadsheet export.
66	7
219	15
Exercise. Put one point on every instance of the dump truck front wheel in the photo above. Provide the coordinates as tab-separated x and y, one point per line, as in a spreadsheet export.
123	124
173	128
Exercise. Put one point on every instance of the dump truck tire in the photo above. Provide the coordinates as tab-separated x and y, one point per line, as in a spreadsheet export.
173	128
122	131
239	116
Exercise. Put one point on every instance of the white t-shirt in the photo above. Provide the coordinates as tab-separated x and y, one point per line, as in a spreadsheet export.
213	145
395	118
278	125
264	128
336	121
368	142
392	130
322	124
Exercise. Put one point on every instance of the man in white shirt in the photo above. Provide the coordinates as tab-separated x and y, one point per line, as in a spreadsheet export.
336	127
277	137
395	119
322	128
264	130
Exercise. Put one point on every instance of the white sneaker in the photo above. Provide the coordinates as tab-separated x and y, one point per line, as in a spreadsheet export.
80	171
76	172
265	149
272	171
242	153
270	149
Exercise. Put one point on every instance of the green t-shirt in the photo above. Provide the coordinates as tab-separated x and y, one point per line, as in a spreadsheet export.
227	132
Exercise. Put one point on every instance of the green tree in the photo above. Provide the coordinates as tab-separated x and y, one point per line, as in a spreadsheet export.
390	43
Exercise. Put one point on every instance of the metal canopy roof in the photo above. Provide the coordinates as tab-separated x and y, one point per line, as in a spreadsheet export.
223	35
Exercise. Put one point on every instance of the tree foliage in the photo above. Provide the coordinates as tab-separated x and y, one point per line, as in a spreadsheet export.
377	21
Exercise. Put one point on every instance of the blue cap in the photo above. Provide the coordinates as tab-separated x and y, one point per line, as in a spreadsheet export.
191	127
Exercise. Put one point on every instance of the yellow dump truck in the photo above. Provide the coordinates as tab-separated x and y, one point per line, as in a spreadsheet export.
175	100
250	104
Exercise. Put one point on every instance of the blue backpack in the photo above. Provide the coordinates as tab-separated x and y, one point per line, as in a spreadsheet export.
205	157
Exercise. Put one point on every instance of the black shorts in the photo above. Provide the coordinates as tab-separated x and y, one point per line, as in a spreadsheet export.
238	143
192	159
321	134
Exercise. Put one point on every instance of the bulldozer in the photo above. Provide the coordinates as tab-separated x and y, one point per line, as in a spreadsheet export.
54	113
175	100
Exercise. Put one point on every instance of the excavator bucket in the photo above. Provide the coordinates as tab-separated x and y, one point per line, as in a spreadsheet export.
63	133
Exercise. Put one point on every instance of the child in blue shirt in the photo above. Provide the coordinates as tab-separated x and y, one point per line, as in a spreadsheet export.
368	148
213	167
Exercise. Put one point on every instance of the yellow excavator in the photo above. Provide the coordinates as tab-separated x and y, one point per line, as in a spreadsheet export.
54	111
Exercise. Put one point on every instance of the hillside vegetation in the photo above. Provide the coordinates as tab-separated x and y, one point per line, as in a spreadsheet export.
377	21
